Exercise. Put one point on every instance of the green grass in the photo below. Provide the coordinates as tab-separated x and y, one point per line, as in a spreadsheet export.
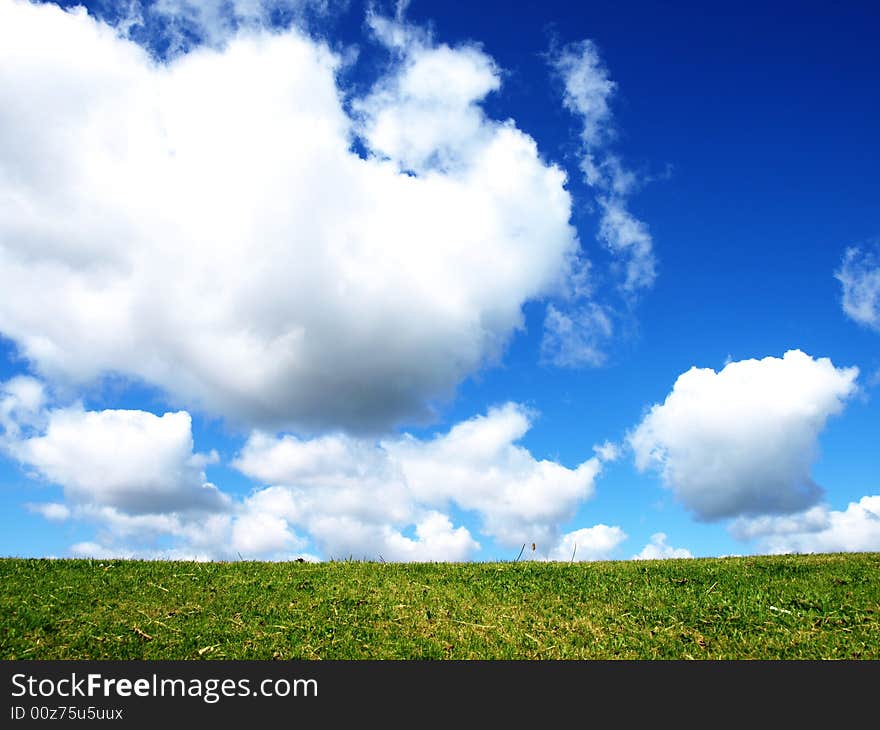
769	607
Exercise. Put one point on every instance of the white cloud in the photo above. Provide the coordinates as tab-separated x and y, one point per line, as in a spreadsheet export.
859	274
346	492
203	224
132	460
742	441
478	466
818	530
589	543
658	549
260	533
436	539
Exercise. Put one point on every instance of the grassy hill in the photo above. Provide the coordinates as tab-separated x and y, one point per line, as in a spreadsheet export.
769	607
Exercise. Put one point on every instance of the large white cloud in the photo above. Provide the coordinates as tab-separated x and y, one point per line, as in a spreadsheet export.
204	225
859	275
817	530
340	488
742	441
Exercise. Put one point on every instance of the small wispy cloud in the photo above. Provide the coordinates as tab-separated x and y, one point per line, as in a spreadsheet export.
588	90
170	28
859	275
578	330
576	337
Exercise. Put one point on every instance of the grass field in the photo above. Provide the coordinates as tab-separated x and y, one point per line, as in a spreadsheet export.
773	607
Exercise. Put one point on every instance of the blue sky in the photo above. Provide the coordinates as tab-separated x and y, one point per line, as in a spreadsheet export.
431	281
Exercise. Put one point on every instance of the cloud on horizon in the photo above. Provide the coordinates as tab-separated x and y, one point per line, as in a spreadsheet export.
589	543
816	530
137	479
659	549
